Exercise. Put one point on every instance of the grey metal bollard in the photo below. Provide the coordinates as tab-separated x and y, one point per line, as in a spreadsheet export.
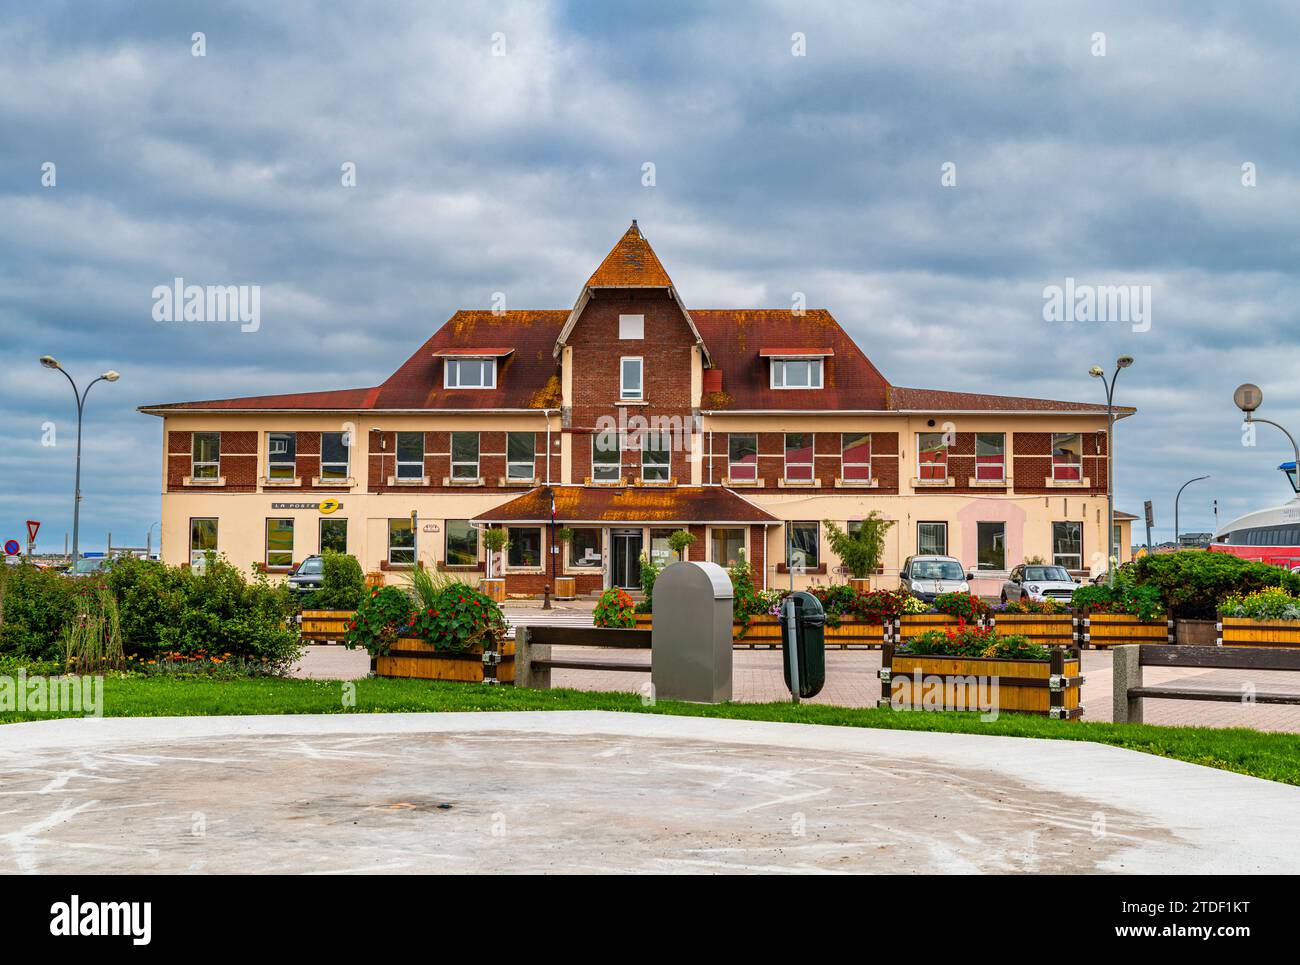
1126	673
690	642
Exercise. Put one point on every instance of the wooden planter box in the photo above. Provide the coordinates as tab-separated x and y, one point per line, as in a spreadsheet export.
765	631
410	657
325	626
494	589
860	583
1245	632
1104	630
1050	688
1046	629
566	587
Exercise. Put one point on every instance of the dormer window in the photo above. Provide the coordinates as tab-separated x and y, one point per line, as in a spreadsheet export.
470	373
796	368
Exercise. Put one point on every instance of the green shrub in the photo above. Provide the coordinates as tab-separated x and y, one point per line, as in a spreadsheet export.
1193	582
649	573
614	609
1143	601
93	637
1271	604
37	605
380	619
459	618
342	584
861	550
745	601
173	610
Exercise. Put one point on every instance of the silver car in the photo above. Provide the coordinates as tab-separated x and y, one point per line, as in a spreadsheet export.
926	577
1031	581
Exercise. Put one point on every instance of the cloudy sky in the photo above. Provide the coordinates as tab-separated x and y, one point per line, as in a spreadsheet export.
774	174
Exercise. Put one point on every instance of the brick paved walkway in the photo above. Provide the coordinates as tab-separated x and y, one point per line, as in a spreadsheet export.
851	682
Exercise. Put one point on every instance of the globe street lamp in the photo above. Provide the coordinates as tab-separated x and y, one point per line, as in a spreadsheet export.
109	376
1176	498
1248	397
1123	362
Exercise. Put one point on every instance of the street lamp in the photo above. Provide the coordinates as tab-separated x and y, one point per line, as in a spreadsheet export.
1248	397
110	376
1176	498
1097	372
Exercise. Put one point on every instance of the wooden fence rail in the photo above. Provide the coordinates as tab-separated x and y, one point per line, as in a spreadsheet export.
1130	691
534	663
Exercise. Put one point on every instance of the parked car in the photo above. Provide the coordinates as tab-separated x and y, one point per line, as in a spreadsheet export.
926	577
1032	581
308	575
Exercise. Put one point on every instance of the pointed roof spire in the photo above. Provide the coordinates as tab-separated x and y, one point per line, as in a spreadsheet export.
631	263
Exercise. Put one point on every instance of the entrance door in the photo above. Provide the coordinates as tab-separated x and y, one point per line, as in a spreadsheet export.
625	568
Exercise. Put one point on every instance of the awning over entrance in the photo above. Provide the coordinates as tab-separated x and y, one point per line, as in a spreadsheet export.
610	505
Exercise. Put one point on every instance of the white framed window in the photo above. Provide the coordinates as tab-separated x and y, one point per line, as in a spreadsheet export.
469	373
401	541
1067	544
606	457
281	455
460	544
464	455
525	548
521	455
855	456
203	535
931	539
1067	457
279	542
798	456
630	377
410	455
796	373
804	545
334	455
205	456
931	456
631	326
990	456
742	455
656	459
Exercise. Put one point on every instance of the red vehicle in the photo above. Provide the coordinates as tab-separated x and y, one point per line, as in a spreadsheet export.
1266	535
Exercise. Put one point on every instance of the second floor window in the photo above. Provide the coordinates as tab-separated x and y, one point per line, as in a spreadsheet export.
410	455
470	374
1067	457
205	457
333	455
796	373
520	456
281	453
656	460
855	453
606	458
742	456
990	457
631	370
464	455
799	456
932	455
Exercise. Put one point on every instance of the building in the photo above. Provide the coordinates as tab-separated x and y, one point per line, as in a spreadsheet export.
623	419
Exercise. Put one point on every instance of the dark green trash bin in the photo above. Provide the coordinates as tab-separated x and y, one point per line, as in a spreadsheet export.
809	644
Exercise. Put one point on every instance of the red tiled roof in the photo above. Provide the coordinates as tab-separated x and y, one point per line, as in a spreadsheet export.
337	399
736	337
934	400
628	504
631	263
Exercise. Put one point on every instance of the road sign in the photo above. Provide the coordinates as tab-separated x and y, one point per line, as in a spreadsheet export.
1150	513
12	548
33	525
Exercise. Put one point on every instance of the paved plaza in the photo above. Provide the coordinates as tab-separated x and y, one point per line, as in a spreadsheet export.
601	792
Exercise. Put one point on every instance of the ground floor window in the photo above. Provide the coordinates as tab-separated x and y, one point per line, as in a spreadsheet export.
584	548
661	553
931	539
279	542
726	545
203	536
992	550
461	548
334	535
803	545
401	542
1067	545
525	546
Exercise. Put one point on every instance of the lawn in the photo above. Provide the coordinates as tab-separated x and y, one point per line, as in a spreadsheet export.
1275	757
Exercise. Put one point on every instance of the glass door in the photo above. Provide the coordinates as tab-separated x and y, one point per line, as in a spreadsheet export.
625	568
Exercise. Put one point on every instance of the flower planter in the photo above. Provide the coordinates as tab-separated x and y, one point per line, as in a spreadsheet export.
1104	630
1248	632
325	626
1047	629
566	587
861	584
765	631
494	589
911	625
411	657
1049	688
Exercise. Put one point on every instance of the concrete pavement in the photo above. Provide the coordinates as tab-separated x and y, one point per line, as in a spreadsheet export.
594	791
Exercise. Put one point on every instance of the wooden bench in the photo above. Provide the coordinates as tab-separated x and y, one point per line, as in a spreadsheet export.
1130	690
533	661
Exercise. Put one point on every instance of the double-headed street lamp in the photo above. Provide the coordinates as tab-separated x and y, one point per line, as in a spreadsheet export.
109	376
1097	372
